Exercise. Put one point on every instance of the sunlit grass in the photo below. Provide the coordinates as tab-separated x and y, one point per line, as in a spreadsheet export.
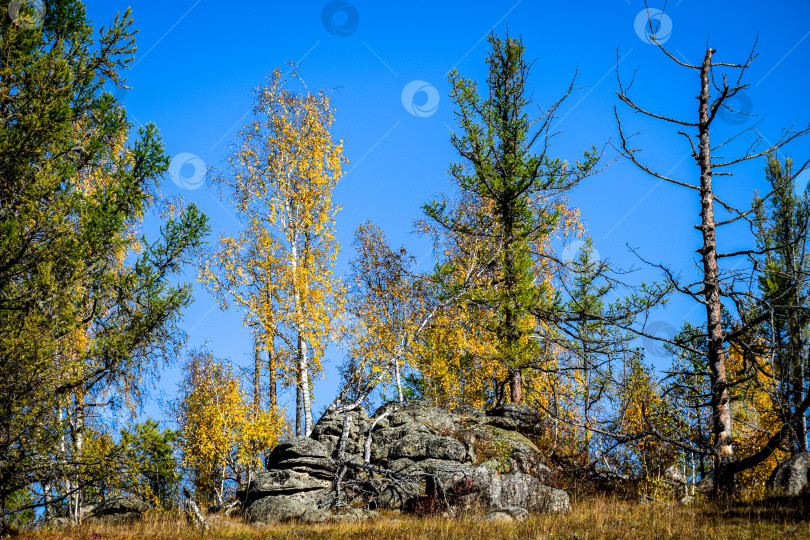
594	517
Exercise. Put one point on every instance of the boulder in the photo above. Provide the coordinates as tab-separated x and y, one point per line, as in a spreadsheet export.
503	423
298	447
527	492
329	429
397	418
281	508
353	515
281	482
119	508
790	477
464	485
524	418
384	439
398	495
318	467
421	446
512	513
473	488
436	417
303	455
416	438
54	522
512	450
467	414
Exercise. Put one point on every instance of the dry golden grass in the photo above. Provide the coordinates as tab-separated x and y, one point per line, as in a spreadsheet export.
591	518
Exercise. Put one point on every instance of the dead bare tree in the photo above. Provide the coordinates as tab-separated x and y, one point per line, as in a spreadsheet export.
714	286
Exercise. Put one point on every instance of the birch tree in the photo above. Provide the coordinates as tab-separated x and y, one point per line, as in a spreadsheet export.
280	267
220	436
385	299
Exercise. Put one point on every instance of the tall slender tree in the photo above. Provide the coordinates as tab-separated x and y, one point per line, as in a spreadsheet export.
505	163
782	222
280	267
713	286
385	300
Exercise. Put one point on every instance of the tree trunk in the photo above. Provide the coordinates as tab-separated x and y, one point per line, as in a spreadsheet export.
720	401
516	385
271	385
78	445
63	454
400	396
510	335
220	491
798	397
306	402
271	374
299	409
797	360
47	495
303	358
257	375
586	404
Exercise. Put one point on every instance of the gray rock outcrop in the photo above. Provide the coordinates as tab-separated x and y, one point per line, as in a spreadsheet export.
475	461
791	476
118	508
476	488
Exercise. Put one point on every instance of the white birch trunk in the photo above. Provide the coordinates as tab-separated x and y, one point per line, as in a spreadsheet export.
303	366
63	456
303	358
399	381
78	444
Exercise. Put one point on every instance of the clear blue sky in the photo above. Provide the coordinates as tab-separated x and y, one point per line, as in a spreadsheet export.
198	61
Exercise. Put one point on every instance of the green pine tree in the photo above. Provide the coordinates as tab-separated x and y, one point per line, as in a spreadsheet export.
782	222
73	193
506	170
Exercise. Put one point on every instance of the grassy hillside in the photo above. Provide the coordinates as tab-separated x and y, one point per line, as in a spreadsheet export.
590	518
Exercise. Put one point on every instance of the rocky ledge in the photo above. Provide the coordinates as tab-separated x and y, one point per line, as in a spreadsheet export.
413	458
